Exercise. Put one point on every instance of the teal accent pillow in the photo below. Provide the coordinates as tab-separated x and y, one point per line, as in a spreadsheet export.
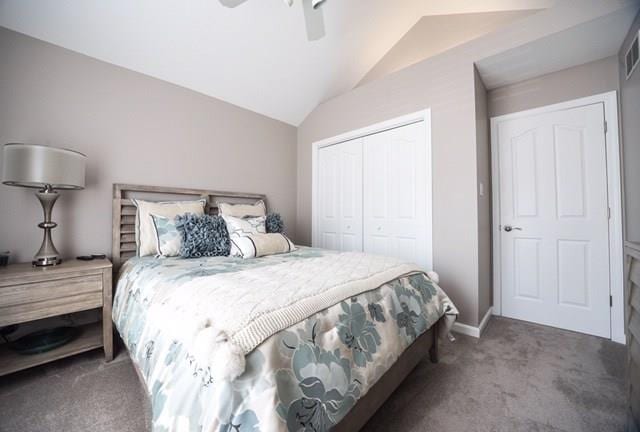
168	238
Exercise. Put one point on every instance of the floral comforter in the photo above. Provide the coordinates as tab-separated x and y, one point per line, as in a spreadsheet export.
307	377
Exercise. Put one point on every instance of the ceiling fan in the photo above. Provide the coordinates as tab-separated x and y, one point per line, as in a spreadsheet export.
313	16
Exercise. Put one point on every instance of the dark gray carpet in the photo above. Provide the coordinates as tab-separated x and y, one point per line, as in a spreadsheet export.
518	377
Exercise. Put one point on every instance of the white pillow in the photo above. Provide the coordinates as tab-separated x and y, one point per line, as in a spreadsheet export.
238	227
146	240
258	245
243	210
245	226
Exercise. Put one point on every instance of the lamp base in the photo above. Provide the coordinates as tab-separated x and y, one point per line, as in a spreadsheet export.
48	254
46	261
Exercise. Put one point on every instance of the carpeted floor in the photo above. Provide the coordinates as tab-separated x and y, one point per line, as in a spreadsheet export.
517	377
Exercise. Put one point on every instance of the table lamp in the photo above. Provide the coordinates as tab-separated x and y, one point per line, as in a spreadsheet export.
47	169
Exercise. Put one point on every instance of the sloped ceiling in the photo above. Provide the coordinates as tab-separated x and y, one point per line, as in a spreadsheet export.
587	42
437	33
256	55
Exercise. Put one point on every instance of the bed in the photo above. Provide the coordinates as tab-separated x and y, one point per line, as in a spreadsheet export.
330	368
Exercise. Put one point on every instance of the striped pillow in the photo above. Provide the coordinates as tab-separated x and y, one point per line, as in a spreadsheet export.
258	245
238	227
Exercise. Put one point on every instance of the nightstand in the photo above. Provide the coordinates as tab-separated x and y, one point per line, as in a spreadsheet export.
30	293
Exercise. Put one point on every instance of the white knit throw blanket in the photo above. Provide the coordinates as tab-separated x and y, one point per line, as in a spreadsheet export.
236	312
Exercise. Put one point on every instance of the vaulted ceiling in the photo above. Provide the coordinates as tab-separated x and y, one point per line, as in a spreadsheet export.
255	55
434	34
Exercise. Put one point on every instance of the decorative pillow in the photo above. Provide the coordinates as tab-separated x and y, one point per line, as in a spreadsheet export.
274	223
246	226
238	227
168	238
203	236
243	210
146	241
257	245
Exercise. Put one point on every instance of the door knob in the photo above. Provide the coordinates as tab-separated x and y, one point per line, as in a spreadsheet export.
509	228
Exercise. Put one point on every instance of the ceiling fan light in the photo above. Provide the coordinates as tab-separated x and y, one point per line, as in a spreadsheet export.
316	3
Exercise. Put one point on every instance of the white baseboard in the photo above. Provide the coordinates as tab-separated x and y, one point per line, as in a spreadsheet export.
471	330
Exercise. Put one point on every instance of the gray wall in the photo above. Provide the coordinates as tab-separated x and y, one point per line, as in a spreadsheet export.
585	80
600	76
483	154
630	131
444	83
451	99
630	118
134	129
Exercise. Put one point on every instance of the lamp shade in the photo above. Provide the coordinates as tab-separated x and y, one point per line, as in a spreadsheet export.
35	166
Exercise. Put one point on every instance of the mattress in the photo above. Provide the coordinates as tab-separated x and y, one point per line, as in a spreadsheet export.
305	377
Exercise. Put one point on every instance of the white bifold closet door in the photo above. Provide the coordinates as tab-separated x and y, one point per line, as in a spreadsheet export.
373	195
395	194
340	196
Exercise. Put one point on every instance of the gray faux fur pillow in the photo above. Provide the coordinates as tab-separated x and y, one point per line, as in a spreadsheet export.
203	236
274	223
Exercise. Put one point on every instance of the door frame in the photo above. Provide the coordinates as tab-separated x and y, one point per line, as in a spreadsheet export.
415	117
614	193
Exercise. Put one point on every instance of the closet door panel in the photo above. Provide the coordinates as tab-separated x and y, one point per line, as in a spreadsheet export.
328	203
395	197
340	196
350	173
376	189
409	196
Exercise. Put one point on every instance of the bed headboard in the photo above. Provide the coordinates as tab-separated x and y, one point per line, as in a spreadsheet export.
124	212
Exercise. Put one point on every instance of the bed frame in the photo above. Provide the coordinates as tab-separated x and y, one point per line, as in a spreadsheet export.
124	247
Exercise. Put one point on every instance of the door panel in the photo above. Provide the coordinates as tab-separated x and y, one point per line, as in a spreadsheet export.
328	204
573	273
340	196
395	194
523	149
568	146
553	191
527	268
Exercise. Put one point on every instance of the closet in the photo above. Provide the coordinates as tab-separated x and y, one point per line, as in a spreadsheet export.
372	193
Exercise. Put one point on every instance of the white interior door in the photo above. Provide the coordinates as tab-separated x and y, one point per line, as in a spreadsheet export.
395	193
340	196
554	219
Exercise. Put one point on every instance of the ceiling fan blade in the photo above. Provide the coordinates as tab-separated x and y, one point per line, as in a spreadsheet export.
316	3
231	3
314	19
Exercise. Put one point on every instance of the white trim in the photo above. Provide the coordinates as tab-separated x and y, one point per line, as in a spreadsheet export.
424	115
485	319
472	331
633	67
614	189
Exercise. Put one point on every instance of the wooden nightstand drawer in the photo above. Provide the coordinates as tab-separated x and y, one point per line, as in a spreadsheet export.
32	301
30	293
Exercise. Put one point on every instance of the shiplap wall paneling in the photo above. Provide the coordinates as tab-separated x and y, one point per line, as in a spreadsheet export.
633	334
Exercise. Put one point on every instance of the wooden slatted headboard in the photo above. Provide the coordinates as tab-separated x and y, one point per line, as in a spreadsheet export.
124	212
